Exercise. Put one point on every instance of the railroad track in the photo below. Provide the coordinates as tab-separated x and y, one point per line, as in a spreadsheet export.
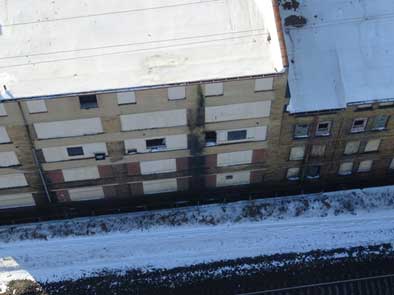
375	285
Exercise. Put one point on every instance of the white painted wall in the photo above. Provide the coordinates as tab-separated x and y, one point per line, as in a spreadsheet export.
213	89
126	97
13	180
238	111
153	120
160	186
4	138
263	84
36	106
239	178
55	154
86	193
173	142
82	173
8	159
159	166
234	158
252	134
16	200
68	128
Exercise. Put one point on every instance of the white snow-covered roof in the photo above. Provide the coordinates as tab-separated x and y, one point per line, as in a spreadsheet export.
343	54
51	47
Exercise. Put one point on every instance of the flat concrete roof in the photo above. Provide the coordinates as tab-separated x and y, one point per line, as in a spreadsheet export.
344	53
54	47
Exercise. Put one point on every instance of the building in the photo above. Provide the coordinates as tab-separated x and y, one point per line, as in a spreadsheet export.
338	128
110	100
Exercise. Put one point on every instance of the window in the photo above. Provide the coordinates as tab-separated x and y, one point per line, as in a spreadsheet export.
301	131
236	135
352	147
3	111
36	106
263	84
156	144
228	177
365	166
345	168
210	138
372	145
126	97
293	173
364	107
359	125
213	89
75	151
380	122
387	104
175	93
318	150
391	167
88	101
313	172
323	128
297	153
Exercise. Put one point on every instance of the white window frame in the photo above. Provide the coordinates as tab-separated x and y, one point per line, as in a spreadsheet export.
126	98
359	129
301	136
381	127
345	168
372	145
324	132
176	93
295	153
293	173
214	89
352	151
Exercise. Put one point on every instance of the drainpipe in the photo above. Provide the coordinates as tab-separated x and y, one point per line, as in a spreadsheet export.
35	158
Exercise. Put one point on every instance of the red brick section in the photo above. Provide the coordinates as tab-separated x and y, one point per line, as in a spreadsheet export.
62	196
110	191
210	181
55	176
183	184
133	168
136	189
259	156
256	176
211	161
106	171
182	164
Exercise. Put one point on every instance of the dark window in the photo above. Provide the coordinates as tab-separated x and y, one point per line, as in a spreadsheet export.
323	128
359	125
313	172
75	151
236	135
228	177
210	138
156	144
301	131
88	101
380	122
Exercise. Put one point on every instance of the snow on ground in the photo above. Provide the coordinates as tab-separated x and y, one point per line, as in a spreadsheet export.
55	251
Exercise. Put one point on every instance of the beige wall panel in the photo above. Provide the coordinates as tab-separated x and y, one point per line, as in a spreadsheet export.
173	142
4	138
12	180
56	154
159	166
8	159
126	97
264	84
233	178
238	111
36	106
17	200
83	173
160	186
234	158
86	193
153	120
68	128
3	111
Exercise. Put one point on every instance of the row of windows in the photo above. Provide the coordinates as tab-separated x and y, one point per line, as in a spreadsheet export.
353	147
324	128
345	168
